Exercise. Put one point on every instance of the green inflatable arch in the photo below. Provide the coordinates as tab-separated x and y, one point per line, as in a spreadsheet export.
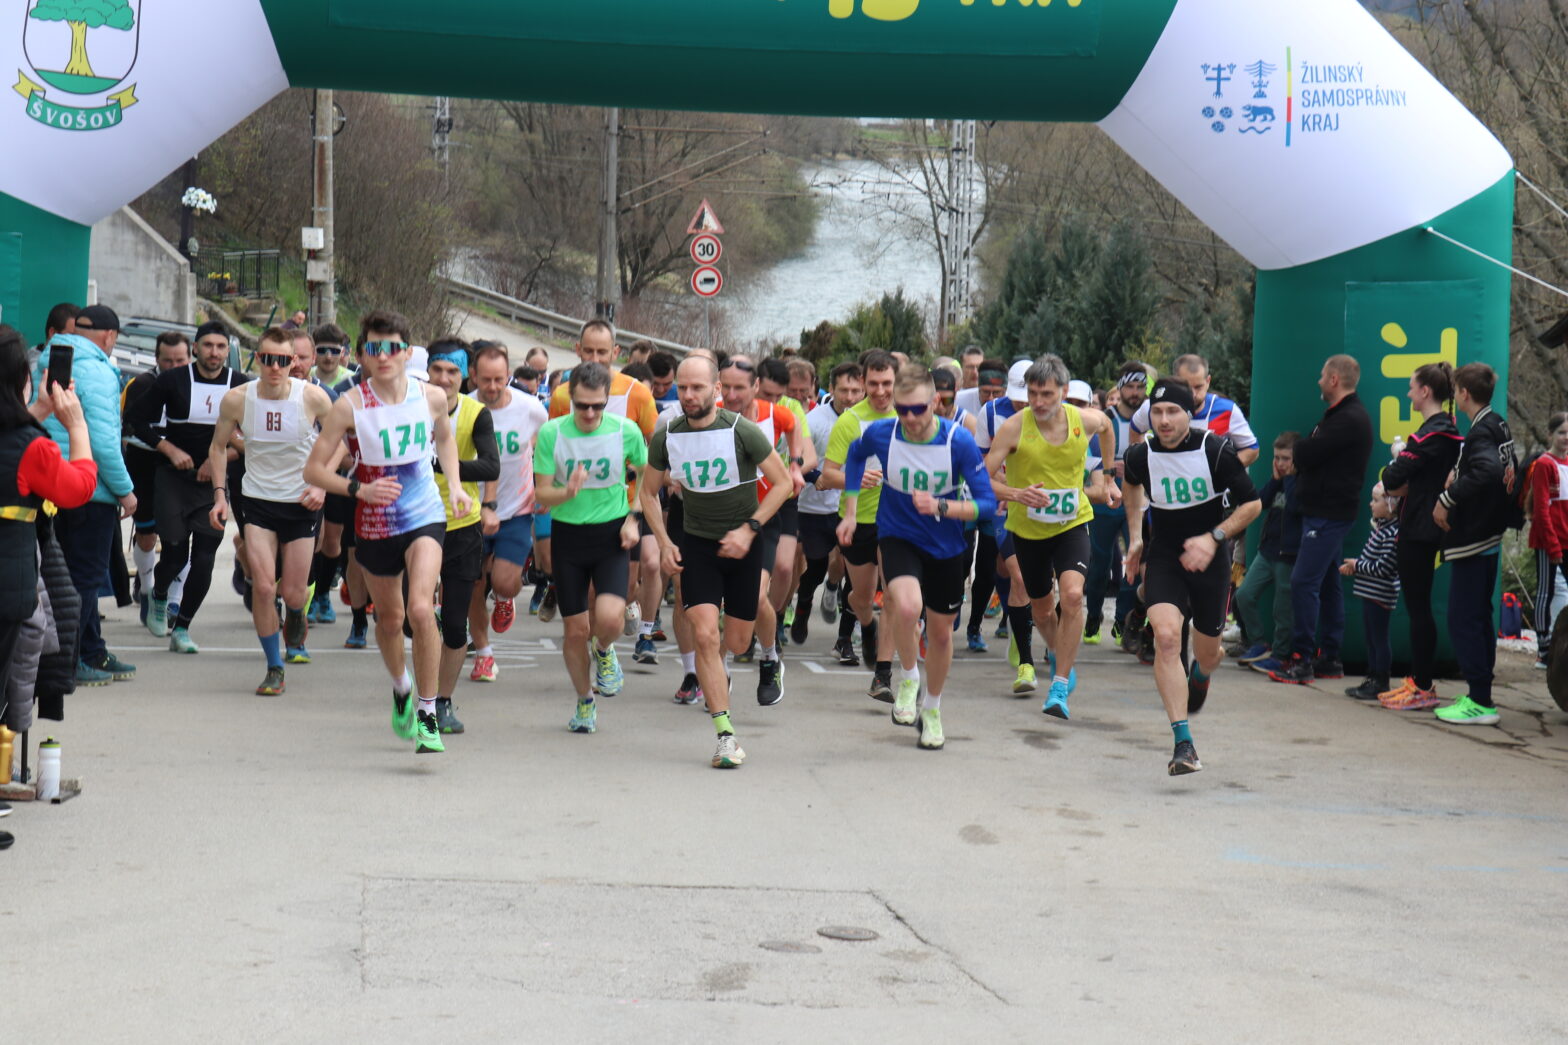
1299	130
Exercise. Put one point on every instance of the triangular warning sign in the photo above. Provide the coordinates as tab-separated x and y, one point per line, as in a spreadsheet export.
705	221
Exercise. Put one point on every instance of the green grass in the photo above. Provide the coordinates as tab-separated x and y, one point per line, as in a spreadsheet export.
74	84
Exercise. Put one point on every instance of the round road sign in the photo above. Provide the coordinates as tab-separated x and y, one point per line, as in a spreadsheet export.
707	281
706	249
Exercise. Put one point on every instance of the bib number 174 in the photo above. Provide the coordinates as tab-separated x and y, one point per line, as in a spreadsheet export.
404	436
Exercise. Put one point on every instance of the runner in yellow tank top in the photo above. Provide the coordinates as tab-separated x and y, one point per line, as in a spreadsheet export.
1037	462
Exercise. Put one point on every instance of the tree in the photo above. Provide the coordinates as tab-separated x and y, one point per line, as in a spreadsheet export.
82	15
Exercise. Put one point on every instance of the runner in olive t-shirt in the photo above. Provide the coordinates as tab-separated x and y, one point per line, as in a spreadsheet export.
580	463
714	455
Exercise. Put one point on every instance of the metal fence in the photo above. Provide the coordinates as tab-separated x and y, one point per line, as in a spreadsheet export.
228	274
552	323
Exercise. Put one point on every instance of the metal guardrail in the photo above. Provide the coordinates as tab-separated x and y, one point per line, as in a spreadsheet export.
553	323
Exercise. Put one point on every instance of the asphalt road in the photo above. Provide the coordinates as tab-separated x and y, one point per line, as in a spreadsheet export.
243	868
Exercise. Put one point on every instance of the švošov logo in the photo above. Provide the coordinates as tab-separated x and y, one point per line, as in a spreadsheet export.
83	49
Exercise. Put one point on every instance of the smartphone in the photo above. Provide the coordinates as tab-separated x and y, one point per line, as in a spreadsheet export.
60	359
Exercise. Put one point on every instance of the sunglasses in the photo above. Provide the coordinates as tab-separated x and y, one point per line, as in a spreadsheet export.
911	409
743	365
268	359
588	408
329	350
385	348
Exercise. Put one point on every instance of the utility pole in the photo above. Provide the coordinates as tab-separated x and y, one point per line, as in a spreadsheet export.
441	139
319	273
609	281
958	252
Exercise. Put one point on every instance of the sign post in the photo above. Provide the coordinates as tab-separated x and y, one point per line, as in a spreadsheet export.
706	249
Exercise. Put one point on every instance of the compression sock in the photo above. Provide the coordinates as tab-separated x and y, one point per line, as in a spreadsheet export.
885	668
272	646
1020	623
361	617
1181	732
721	723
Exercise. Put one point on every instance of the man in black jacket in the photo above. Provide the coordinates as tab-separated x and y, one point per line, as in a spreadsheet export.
1331	467
1473	513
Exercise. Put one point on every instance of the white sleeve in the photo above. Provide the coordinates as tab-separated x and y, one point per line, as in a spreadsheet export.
1140	419
983	421
1241	436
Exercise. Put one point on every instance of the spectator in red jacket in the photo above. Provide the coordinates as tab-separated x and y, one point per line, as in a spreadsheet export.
1548	502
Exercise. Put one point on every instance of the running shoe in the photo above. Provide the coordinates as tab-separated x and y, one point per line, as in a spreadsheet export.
158	617
117	668
931	737
1296	672
1026	681
669	593
1466	712
1091	638
728	754
1267	665
180	641
295	628
1328	668
502	615
1116	634
356	636
1012	651
427	734
976	643
780	635
770	682
1072	675
1185	760
690	691
881	688
586	719
445	720
608	677
1256	651
1368	690
87	675
1406	686
993	607
272	685
535	602
1410	700
1001	629
749	654
296	655
658	634
633	619
403	715
547	606
645	651
1232	633
484	670
325	614
1541	663
143	604
828	604
845	648
1056	700
906	704
237	579
1197	692
799	625
174	612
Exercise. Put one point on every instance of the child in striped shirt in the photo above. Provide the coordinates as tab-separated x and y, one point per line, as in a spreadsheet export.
1376	575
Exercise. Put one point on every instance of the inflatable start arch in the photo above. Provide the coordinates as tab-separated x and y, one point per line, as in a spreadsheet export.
1298	129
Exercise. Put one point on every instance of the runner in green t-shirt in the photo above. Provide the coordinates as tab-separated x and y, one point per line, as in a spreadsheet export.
581	461
860	554
714	455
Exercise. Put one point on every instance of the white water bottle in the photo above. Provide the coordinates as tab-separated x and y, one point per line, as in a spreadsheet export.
48	769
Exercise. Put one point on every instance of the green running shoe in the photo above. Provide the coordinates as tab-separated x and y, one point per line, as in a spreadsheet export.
180	642
1026	681
586	720
931	737
905	710
1466	712
116	667
428	734
1012	651
403	715
158	617
296	655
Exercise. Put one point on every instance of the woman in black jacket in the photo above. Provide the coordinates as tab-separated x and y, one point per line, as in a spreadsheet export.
1418	475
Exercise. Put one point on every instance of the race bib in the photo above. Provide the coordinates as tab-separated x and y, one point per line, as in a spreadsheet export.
704	462
1061	506
604	457
394	435
1180	480
921	467
274	421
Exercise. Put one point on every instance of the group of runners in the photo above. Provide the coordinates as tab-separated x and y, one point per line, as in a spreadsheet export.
744	494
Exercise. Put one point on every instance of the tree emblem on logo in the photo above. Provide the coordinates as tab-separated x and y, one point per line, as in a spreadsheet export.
70	48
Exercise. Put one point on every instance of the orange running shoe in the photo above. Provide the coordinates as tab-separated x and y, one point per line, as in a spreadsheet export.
1415	700
1406	686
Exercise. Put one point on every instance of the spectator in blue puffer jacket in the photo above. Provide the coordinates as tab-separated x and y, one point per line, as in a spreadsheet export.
87	535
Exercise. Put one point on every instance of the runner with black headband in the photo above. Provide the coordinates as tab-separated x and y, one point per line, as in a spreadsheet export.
1186	475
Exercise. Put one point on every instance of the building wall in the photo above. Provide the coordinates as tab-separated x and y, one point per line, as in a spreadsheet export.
139	273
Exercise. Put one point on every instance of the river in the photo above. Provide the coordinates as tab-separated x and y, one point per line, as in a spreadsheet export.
861	249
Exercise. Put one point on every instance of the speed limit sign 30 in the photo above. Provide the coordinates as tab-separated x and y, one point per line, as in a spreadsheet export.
706	249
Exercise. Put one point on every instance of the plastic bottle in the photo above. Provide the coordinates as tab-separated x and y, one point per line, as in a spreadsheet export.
7	749
48	769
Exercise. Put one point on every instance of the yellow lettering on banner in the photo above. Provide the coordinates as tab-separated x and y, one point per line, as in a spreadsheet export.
1395	421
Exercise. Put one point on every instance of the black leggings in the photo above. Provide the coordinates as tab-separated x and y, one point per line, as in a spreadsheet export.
202	551
1417	563
811	578
985	576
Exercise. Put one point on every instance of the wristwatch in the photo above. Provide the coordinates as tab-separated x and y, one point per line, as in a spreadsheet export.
353	488
941	508
492	505
1219	535
756	527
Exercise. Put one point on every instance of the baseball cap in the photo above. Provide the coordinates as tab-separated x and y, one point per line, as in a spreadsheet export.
97	317
1017	391
1080	391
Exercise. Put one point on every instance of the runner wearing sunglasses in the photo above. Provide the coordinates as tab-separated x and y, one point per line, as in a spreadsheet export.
277	415
925	461
391	424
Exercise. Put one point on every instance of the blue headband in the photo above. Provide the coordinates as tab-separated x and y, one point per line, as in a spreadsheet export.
457	358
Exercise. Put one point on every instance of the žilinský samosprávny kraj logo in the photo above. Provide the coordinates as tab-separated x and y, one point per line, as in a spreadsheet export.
80	54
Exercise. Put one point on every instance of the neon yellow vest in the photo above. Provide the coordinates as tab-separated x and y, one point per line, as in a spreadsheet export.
463	428
1058	469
